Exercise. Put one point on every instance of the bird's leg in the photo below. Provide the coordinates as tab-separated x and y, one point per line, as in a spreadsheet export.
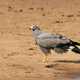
46	52
45	60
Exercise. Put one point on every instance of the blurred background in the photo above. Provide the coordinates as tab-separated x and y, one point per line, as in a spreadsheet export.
20	59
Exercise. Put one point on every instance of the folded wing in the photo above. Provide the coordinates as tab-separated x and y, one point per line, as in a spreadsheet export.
51	40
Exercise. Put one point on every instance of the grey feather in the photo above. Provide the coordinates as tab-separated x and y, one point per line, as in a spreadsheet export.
51	40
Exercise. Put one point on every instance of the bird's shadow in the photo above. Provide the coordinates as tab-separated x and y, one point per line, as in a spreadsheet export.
50	65
62	61
69	61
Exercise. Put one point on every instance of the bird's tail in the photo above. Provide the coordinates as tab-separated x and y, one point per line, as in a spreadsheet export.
75	47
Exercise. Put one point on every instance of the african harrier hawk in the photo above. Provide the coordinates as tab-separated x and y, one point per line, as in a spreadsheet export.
58	43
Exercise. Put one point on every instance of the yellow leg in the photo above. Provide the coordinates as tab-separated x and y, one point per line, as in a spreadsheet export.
45	60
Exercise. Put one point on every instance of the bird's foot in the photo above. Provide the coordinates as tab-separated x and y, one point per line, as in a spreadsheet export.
45	60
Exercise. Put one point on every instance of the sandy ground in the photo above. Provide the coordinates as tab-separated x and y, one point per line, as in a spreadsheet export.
20	59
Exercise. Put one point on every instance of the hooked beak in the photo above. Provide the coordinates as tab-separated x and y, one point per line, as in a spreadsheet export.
30	28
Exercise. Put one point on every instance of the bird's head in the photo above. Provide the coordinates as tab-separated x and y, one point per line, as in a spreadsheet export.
34	27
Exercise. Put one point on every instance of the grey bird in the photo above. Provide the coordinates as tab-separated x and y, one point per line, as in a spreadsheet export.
58	43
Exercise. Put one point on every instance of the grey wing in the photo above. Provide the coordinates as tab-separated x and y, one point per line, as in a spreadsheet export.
51	40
